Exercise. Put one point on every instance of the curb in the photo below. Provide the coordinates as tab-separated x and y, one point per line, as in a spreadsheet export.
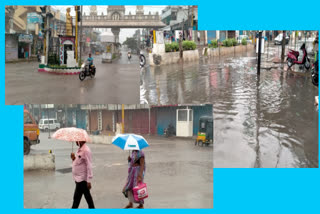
71	71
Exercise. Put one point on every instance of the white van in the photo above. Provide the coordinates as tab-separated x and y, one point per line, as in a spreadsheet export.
45	124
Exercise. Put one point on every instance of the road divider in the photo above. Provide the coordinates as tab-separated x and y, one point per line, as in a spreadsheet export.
39	162
101	139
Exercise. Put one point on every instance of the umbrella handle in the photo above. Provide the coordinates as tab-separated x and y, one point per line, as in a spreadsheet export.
72	146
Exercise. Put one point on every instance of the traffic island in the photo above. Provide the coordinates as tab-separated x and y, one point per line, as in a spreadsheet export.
39	162
160	57
59	70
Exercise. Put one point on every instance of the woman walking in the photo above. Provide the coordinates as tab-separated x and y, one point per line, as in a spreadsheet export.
135	175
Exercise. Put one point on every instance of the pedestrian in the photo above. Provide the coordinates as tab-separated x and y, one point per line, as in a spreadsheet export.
82	174
136	173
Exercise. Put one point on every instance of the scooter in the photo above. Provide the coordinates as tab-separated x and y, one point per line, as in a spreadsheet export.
170	131
87	70
292	57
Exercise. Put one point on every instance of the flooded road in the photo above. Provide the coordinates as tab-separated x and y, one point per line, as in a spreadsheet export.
116	82
269	121
167	159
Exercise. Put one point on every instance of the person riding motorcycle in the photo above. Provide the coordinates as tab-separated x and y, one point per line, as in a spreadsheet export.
129	54
90	60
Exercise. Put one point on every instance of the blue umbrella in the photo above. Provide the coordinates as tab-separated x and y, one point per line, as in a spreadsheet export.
130	142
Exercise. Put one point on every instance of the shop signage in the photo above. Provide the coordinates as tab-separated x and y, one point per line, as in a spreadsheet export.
27	38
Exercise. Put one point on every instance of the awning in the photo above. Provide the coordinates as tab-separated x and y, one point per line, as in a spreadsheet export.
167	28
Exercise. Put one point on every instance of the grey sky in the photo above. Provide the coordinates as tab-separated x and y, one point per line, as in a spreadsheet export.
124	33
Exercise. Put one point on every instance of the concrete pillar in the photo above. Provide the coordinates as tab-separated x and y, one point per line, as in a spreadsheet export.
116	32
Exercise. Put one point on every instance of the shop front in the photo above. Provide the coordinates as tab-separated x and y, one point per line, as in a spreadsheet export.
24	46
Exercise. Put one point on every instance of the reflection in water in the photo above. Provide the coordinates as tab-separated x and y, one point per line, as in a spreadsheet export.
270	121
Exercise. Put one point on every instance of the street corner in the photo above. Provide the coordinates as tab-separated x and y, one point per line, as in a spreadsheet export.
39	162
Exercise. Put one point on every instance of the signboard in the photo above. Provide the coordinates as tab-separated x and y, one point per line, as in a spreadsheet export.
177	33
27	38
159	37
33	18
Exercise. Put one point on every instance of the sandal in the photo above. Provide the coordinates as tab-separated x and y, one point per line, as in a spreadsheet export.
140	206
128	206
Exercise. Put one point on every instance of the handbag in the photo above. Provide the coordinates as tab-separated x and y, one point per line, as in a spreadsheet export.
140	192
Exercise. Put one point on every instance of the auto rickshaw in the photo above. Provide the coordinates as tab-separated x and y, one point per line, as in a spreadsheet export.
205	134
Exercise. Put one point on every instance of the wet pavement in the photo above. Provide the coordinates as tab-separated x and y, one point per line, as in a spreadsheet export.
269	121
178	175
116	82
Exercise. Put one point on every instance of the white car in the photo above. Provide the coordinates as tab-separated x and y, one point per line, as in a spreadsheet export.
46	124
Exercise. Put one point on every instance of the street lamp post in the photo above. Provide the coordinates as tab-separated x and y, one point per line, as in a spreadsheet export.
47	37
81	33
76	45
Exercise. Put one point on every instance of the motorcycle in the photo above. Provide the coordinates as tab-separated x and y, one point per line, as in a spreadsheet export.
87	70
314	73
170	131
292	57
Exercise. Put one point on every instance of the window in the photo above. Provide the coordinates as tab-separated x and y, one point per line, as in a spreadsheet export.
46	122
27	119
50	121
182	115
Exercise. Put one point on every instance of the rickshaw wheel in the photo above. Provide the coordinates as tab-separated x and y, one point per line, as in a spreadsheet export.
200	143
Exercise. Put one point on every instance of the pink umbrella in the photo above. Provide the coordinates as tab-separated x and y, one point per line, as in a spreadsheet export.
72	135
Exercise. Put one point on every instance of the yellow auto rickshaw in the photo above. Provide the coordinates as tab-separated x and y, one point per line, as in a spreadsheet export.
205	134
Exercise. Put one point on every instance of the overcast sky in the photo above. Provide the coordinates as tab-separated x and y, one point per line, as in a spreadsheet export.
124	33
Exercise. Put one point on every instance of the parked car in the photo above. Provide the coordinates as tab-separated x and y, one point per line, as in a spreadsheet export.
51	123
278	39
239	39
30	132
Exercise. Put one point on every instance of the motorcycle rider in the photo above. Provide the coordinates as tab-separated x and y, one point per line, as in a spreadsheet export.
129	54
90	60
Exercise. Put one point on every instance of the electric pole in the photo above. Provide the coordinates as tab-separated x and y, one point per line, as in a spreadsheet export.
259	53
81	33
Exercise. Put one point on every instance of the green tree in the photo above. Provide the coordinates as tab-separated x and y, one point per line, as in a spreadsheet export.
131	43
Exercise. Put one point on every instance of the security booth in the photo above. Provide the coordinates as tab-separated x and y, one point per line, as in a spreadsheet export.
66	47
184	122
